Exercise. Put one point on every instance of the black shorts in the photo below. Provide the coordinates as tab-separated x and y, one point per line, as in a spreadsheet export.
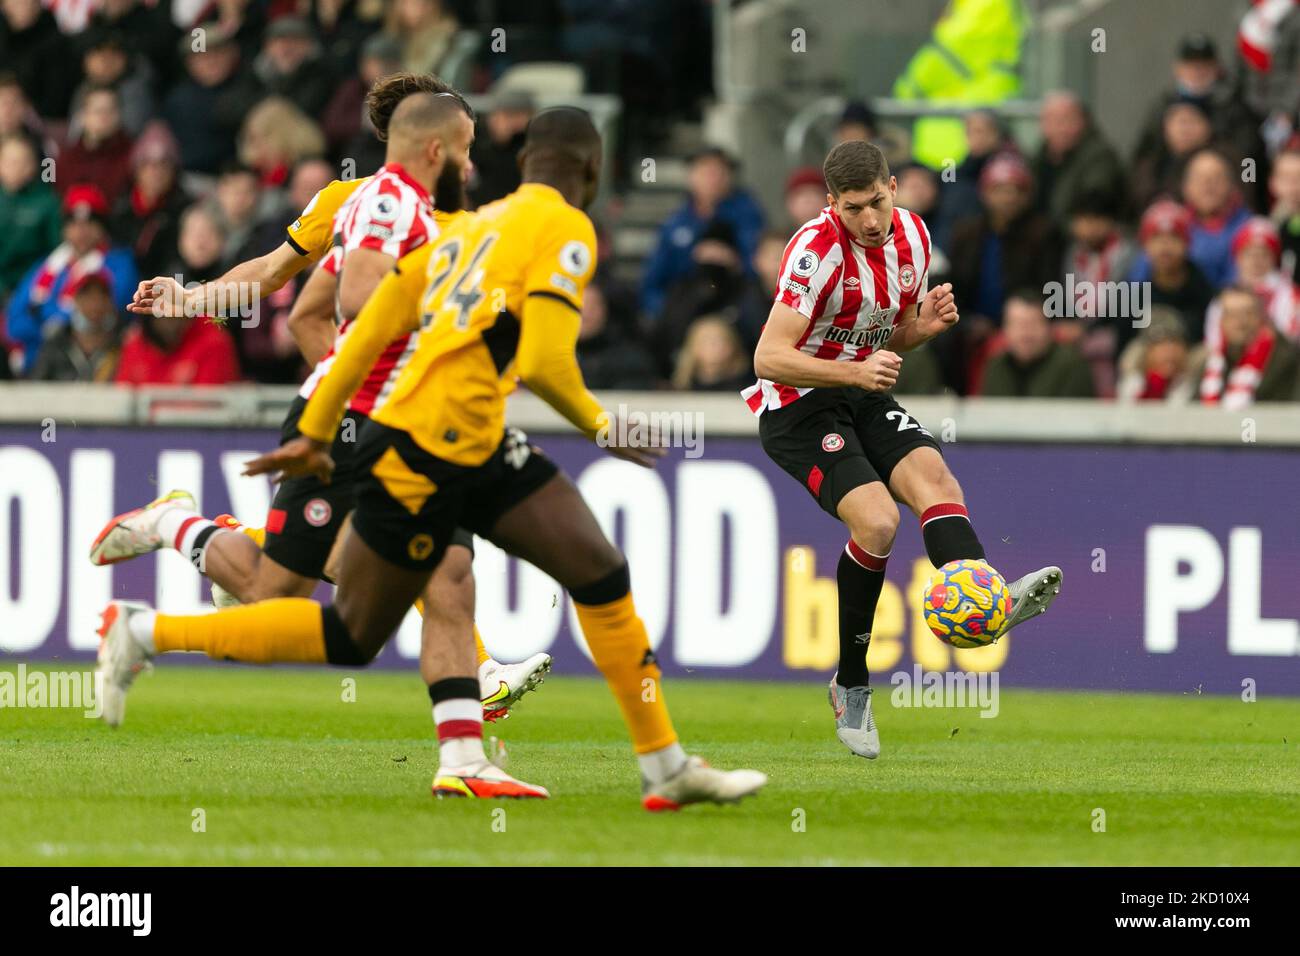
833	440
306	515
411	503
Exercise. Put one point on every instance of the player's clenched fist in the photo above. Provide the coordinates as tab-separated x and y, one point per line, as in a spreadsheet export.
880	371
938	310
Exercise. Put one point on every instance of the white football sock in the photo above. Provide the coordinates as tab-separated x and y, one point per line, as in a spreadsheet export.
659	765
453	717
140	626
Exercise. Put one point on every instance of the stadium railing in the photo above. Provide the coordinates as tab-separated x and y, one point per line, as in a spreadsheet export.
1033	421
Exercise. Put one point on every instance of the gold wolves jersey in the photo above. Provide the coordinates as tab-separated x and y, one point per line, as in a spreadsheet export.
312	233
466	292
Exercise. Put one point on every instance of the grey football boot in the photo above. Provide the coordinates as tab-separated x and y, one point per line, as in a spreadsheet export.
855	725
1031	596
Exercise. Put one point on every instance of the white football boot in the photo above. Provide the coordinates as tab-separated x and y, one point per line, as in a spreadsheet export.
1031	596
501	685
697	782
135	532
121	659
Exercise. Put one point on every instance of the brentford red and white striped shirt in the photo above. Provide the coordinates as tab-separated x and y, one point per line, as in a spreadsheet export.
392	214
850	294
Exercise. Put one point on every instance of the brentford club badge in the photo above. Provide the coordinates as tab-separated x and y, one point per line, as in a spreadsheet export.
833	442
907	278
317	512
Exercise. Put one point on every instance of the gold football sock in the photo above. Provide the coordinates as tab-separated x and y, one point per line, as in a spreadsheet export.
621	650
283	629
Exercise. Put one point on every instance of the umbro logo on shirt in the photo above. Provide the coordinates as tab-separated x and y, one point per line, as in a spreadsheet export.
851	282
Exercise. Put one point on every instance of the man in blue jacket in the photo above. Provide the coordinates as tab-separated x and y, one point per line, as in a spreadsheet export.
713	195
42	303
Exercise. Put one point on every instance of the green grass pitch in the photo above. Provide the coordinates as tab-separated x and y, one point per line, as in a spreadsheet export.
285	772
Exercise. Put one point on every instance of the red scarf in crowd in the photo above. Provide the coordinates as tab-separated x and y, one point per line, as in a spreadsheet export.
64	259
1235	387
1257	34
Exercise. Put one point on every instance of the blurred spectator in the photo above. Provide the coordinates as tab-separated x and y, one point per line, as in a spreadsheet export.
267	352
1256	254
200	246
713	358
1034	365
986	137
87	348
1211	193
1098	254
237	207
291	66
42	303
342	27
1186	129
1075	158
29	212
425	28
308	178
206	109
32	47
107	60
610	353
177	351
1248	361
1157	365
17	115
147	219
920	373
805	196
857	122
1285	187
100	150
1199	75
1176	281
767	263
495	153
1007	246
153	36
718	283
918	191
346	121
275	137
713	195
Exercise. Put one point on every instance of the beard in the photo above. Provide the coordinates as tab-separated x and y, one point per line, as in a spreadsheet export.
449	190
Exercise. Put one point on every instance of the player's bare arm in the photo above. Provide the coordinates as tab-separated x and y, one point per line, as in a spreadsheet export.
778	359
922	321
311	321
165	296
547	364
361	273
294	459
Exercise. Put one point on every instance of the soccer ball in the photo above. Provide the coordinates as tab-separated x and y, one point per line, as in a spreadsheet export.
966	603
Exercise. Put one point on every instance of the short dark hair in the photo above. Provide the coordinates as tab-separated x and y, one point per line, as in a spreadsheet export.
1029	295
563	133
854	165
388	91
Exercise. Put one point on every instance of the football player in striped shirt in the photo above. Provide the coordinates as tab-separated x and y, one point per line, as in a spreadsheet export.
852	294
379	218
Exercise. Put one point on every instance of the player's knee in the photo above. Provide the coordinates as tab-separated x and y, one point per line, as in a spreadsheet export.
349	645
455	569
874	527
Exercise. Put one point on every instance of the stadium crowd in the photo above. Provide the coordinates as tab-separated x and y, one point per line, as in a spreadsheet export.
181	137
